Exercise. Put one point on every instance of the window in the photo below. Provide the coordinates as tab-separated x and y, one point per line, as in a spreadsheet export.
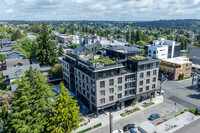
141	82
102	84
130	77
111	82
153	86
83	77
80	89
141	89
119	96
83	85
79	74
119	88
93	99
83	92
186	69
111	90
129	85
154	52
131	91
102	93
141	75
147	88
119	80
87	79
189	69
88	95
88	88
102	101
148	74
126	93
154	72
111	98
79	82
148	66
147	81
154	79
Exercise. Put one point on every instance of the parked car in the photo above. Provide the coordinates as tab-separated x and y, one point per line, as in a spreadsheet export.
162	91
118	131
154	116
132	131
159	123
128	127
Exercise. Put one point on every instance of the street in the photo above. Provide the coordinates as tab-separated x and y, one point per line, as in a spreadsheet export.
178	92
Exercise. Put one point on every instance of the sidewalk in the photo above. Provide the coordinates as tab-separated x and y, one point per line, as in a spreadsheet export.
104	118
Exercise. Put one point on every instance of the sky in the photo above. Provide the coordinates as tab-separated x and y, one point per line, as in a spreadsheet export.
109	10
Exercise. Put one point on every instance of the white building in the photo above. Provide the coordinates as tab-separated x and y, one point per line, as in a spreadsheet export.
31	36
163	49
158	51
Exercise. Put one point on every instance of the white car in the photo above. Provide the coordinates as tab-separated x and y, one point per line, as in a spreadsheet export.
162	91
118	131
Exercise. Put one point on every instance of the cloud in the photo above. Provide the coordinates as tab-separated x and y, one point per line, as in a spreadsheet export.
100	9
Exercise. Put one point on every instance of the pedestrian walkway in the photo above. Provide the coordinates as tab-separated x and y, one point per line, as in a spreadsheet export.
104	118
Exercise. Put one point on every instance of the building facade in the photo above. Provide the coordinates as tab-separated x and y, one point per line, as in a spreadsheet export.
100	85
176	68
163	49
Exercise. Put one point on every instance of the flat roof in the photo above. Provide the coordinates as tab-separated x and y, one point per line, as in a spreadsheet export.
178	60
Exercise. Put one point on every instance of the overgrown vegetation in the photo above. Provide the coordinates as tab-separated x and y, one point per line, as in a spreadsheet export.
56	71
140	58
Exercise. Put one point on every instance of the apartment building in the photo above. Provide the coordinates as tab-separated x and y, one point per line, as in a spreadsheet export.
102	83
163	49
176	68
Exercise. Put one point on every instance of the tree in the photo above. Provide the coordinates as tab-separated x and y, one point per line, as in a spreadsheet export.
60	51
30	105
151	97
16	35
56	71
46	53
141	43
128	36
4	113
65	113
73	45
133	37
138	35
143	52
196	44
184	43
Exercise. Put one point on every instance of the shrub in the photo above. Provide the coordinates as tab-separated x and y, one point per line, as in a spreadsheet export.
192	111
147	105
90	128
97	125
178	114
134	103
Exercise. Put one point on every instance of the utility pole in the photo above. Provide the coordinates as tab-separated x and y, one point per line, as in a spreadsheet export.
193	74
111	122
161	82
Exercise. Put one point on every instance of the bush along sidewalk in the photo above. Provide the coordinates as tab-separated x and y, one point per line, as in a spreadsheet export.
147	104
90	128
193	111
128	112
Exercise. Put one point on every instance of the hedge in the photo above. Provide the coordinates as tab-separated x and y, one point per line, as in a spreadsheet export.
90	128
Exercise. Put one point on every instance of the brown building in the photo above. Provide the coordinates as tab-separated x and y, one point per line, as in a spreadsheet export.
176	68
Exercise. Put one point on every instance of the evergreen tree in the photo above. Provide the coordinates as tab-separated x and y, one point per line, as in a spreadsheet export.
128	36
46	53
16	35
60	51
31	104
184	43
138	35
132	37
65	114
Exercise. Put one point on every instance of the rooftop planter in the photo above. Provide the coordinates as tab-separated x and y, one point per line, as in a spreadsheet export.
104	61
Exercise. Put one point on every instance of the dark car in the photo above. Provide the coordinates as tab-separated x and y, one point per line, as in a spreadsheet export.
154	116
128	127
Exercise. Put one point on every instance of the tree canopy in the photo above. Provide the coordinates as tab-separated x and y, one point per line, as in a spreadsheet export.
46	53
